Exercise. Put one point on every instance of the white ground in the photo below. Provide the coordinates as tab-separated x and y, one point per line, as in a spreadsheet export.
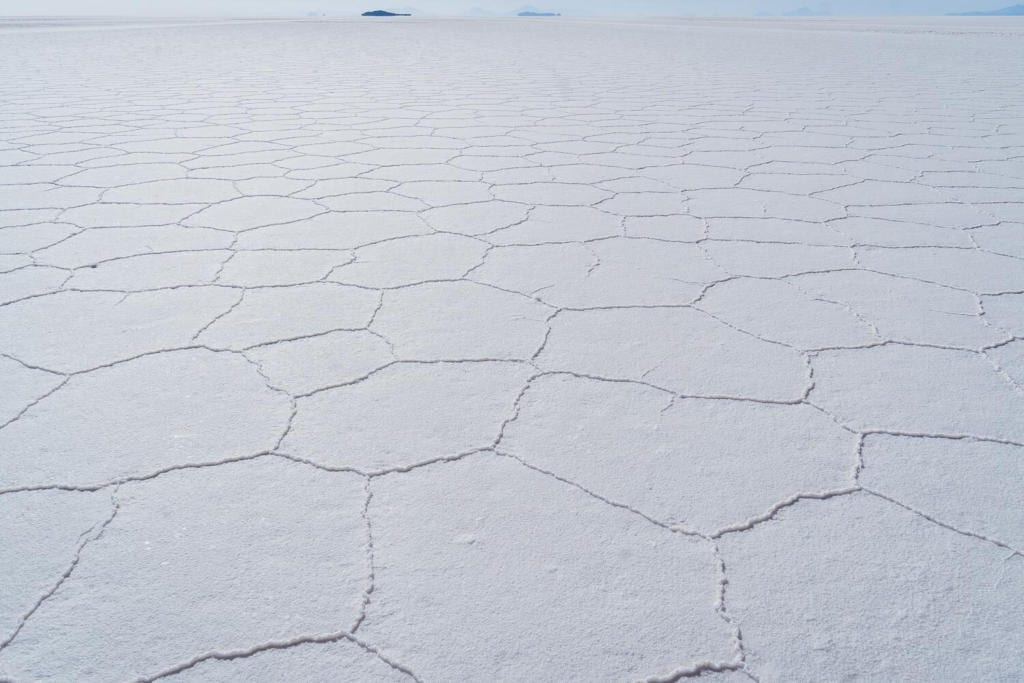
512	351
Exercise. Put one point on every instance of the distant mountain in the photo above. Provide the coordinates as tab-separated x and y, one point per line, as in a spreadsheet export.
531	11
805	12
1015	11
524	11
384	13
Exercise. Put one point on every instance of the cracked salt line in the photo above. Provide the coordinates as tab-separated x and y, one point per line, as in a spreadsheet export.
500	336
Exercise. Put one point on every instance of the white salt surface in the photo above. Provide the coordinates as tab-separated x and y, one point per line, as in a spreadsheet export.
473	350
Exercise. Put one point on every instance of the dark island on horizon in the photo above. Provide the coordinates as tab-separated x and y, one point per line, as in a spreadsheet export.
384	13
538	14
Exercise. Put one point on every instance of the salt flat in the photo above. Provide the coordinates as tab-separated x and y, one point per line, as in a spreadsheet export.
504	350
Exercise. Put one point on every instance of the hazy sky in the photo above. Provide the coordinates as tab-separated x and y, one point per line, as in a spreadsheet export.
585	7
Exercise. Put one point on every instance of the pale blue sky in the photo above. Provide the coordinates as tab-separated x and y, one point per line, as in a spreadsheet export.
583	7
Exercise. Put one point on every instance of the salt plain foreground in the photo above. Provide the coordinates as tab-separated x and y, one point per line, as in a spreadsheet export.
497	350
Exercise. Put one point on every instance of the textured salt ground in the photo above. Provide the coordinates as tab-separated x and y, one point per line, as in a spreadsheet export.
446	350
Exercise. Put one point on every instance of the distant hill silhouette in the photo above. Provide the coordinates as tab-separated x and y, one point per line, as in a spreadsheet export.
384	13
804	12
531	11
1015	11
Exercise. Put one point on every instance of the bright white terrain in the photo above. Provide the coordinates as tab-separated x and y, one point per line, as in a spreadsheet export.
512	350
